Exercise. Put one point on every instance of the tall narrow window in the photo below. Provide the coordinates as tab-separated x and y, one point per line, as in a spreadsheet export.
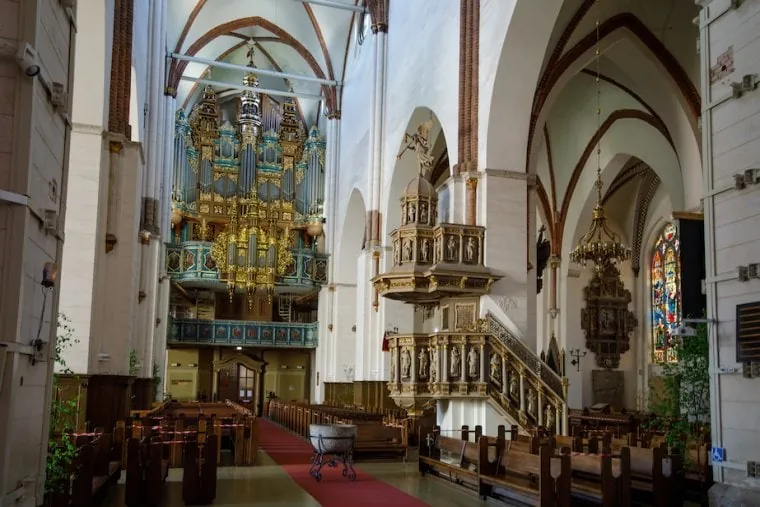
245	382
666	294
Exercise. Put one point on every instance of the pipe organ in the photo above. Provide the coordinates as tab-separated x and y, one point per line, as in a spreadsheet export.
248	197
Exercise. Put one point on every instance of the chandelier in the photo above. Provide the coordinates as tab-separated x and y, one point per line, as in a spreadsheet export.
599	245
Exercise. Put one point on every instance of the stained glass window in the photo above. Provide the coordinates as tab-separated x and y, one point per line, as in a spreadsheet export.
666	294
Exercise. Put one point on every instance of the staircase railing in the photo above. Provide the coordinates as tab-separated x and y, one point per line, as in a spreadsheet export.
488	362
531	361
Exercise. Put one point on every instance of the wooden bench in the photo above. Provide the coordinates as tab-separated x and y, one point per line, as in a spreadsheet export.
200	470
98	465
494	467
146	472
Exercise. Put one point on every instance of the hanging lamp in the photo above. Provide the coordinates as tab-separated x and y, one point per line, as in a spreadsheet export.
599	245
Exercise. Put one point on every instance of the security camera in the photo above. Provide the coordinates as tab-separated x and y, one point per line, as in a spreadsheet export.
27	60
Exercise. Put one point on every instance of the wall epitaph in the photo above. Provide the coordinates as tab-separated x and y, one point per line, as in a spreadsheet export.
606	319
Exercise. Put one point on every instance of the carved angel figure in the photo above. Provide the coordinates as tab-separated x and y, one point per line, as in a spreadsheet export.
455	362
419	143
496	367
406	364
472	362
423	357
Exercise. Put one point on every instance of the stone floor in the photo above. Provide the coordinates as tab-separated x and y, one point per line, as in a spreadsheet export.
267	485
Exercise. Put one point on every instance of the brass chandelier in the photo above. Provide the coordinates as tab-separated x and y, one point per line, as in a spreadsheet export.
599	245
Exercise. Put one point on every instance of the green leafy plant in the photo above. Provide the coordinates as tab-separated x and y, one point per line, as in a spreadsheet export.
156	380
681	409
134	363
62	450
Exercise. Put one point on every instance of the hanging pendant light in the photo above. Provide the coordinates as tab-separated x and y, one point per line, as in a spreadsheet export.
599	245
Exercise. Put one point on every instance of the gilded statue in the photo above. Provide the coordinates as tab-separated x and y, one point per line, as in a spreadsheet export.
472	362
496	367
455	362
531	401
406	364
423	357
421	146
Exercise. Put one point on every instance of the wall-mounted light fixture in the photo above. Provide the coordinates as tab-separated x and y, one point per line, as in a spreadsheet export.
576	354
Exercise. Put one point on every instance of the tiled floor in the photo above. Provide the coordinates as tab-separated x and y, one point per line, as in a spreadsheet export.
267	485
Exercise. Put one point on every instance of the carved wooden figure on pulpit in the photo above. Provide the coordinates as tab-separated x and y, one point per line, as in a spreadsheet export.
549	417
496	367
472	363
513	386
455	362
406	364
423	357
434	365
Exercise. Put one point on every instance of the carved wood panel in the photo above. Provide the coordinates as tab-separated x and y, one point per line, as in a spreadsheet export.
606	320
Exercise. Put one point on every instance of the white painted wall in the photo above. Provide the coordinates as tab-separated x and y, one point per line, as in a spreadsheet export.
731	131
33	144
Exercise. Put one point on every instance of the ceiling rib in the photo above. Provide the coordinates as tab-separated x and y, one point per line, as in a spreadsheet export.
335	5
265	91
262	72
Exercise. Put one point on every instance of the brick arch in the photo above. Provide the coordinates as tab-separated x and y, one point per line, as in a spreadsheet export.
626	20
620	114
178	67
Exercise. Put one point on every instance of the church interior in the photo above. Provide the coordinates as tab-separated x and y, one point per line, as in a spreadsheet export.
379	252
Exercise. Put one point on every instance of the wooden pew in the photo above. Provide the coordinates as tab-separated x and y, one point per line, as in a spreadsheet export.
146	472
200	470
494	468
95	469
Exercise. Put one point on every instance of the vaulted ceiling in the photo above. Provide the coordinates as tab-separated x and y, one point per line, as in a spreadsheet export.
291	36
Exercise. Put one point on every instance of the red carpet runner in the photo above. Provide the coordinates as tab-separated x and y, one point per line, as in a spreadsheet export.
293	455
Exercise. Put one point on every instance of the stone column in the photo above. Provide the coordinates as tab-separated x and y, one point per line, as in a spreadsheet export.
504	379
472	199
483	364
444	376
463	360
540	406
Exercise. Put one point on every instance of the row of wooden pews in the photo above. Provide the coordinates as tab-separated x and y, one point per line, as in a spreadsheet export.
374	436
97	466
545	471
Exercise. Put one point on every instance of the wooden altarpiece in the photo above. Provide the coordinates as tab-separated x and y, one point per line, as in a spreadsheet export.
606	320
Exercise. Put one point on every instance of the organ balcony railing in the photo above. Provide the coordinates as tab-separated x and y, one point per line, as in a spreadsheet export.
192	262
479	363
243	333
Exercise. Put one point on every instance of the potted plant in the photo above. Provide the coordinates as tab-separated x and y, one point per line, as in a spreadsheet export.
62	451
